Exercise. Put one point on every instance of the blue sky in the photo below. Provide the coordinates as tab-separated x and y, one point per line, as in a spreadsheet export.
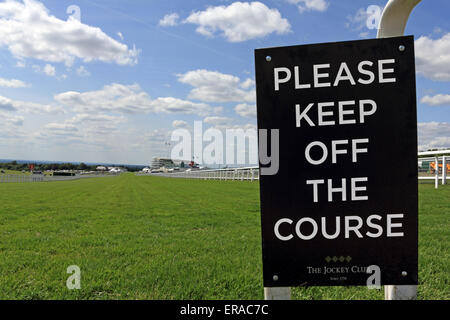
112	86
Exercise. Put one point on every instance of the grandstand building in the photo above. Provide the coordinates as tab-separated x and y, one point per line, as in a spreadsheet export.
168	163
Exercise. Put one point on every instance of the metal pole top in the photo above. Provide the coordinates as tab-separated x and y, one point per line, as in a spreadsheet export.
394	17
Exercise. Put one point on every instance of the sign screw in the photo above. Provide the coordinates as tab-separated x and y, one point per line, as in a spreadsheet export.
404	273
275	278
401	48
268	58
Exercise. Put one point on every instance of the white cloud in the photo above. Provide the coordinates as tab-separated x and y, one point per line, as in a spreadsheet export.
82	72
12	83
11	131
174	105
127	99
221	123
83	118
310	5
64	127
179	124
433	135
120	35
248	83
15	121
29	31
49	70
218	121
240	21
433	57
245	110
86	128
437	100
169	20
358	21
213	86
7	104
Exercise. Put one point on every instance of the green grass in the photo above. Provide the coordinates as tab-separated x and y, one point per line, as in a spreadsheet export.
158	238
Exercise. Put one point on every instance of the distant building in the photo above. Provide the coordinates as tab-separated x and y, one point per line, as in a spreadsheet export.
169	163
161	162
101	168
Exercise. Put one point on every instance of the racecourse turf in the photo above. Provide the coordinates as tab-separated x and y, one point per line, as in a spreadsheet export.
160	238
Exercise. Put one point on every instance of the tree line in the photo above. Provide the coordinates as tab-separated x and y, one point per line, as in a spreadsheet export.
14	165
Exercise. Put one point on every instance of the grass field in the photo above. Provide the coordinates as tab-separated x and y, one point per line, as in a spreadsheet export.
159	238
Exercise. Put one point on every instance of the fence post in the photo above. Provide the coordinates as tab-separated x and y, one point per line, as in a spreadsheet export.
444	170
392	24
436	173
407	292
277	293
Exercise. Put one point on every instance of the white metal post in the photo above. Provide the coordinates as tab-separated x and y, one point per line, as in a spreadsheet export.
392	24
436	173
444	170
277	293
400	292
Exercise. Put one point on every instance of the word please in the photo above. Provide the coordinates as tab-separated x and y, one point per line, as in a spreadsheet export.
321	77
351	225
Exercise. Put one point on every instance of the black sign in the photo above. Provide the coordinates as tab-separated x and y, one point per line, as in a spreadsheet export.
345	194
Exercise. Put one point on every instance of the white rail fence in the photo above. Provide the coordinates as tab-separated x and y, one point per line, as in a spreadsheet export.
434	168
427	164
242	174
18	178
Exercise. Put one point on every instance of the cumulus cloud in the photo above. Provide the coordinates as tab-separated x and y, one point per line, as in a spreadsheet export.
8	104
83	118
433	135
179	124
240	21
29	31
218	121
437	100
310	5
213	86
87	128
49	70
82	72
13	83
63	127
174	105
357	21
169	20
433	57
246	110
127	99
16	121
